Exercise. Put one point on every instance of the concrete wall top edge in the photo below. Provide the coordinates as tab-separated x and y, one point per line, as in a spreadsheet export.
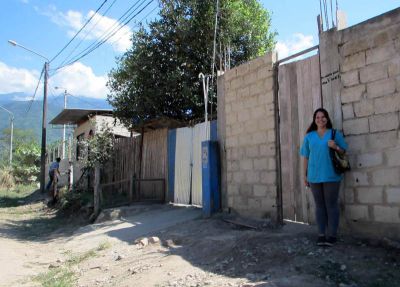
383	20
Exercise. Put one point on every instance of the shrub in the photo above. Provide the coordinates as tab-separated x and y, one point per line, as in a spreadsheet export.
6	178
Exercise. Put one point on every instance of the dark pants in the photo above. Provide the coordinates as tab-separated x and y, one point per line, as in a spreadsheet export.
326	197
51	175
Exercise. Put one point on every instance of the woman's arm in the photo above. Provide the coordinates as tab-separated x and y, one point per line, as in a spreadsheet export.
305	167
332	144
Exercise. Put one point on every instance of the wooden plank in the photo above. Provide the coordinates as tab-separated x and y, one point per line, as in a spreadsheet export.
284	109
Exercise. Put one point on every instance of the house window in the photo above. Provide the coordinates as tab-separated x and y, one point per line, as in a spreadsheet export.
79	147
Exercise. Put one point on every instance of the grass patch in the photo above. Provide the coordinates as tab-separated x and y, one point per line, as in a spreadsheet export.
64	276
104	246
16	196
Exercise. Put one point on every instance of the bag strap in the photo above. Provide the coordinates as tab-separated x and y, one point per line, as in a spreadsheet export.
333	134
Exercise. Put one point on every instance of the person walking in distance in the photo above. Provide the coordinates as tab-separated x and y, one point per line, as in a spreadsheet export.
320	175
54	170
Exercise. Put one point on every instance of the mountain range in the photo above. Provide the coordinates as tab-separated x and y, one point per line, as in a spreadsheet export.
28	113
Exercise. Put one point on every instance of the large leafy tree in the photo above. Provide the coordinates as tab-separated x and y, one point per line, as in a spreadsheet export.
159	75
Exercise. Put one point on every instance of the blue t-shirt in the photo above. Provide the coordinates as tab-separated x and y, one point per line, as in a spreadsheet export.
316	149
55	165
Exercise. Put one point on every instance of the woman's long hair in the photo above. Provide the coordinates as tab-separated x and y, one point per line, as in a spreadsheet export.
313	126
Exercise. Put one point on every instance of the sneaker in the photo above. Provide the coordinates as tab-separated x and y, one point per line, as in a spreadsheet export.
321	241
330	241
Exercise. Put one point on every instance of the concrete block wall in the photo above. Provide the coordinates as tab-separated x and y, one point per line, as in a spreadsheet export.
249	138
370	96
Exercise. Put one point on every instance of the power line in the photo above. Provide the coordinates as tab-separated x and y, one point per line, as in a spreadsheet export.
88	32
34	94
109	33
77	33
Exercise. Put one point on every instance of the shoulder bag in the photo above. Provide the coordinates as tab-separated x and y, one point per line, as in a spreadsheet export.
340	161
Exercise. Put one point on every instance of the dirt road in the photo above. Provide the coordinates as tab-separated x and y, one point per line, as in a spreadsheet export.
174	246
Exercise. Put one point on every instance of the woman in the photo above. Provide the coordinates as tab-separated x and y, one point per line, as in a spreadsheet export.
321	176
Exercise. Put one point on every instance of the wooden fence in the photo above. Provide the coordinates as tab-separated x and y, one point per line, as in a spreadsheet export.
137	171
299	96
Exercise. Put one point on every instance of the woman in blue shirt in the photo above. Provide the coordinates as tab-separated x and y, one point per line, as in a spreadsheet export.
321	176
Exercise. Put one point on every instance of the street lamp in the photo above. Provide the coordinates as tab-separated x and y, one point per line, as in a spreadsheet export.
12	131
64	126
44	124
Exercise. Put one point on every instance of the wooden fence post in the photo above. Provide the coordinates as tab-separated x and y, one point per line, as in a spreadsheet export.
96	191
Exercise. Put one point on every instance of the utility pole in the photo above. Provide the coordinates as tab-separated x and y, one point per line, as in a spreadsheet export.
64	126
44	128
44	123
11	132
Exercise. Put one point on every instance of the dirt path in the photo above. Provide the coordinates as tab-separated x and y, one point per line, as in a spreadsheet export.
170	246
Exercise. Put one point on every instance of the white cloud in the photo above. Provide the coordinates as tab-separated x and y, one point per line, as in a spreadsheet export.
78	79
296	43
97	28
17	80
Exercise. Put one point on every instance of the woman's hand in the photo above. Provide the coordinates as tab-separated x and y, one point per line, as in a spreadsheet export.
306	183
333	145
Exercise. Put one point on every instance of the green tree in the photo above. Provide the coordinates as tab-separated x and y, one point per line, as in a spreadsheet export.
159	75
26	155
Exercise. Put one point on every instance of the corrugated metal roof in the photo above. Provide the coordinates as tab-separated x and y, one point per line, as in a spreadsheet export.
74	116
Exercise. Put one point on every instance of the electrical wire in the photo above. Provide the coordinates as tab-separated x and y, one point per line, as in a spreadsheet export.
321	16
106	37
140	22
34	94
77	33
333	23
213	59
88	32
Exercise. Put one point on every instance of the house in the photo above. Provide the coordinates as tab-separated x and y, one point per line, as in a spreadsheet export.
86	122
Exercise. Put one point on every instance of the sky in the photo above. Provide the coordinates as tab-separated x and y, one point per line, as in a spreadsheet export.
46	26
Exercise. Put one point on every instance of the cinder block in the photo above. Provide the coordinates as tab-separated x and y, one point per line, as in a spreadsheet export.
243	93
267	150
238	177
250	102
261	164
373	72
364	108
354	46
386	177
259	138
393	156
231	141
352	94
268	177
252	176
246	190
394	67
354	61
272	164
232	165
370	195
246	164
384	122
369	159
357	212
380	54
386	214
264	72
355	126
230	74
348	112
381	88
243	69
233	189
249	78
357	144
237	83
252	151
382	140
387	104
381	39
354	179
350	78
260	190
393	195
349	195
254	203
266	98
244	115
